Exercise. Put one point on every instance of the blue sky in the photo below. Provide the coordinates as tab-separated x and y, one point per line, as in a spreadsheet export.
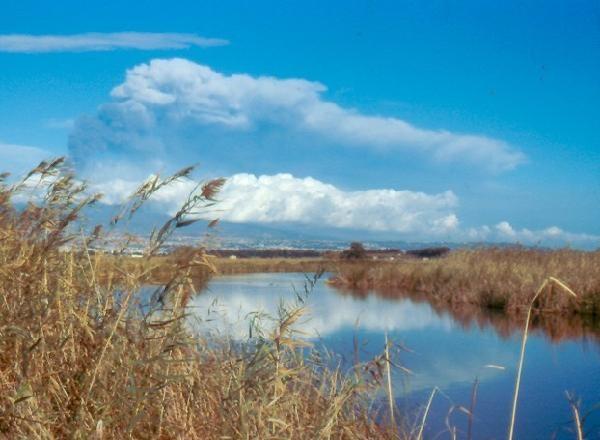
522	78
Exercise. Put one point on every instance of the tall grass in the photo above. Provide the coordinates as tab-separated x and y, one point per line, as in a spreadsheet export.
254	265
495	278
80	359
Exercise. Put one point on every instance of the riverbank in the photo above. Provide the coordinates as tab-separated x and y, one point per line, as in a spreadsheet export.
503	279
497	278
160	269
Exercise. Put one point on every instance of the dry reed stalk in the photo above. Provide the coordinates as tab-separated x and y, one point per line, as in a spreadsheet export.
472	408
548	282
425	413
576	416
389	380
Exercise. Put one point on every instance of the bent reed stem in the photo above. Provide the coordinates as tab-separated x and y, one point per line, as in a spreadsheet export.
547	282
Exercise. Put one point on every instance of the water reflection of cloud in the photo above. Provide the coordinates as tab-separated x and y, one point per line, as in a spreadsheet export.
451	367
232	302
444	354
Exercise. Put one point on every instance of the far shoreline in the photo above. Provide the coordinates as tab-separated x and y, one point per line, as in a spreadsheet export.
503	279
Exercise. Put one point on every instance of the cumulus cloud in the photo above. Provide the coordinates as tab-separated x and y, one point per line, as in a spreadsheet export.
171	113
283	198
165	107
406	215
94	41
504	232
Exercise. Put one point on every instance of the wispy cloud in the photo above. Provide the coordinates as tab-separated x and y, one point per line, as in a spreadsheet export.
59	124
18	159
95	41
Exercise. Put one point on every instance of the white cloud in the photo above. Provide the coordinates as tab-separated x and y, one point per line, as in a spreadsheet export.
171	113
283	198
18	159
160	100
95	41
504	232
505	229
409	215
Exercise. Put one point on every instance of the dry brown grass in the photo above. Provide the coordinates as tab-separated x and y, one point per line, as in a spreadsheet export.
79	360
227	266
498	278
156	269
160	269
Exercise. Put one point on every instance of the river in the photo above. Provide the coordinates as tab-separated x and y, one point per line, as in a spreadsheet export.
439	349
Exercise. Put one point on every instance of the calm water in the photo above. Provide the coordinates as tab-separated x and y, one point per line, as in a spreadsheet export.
444	352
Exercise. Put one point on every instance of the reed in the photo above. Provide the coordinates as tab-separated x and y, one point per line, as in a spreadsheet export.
493	278
577	419
79	357
547	285
261	265
426	413
161	267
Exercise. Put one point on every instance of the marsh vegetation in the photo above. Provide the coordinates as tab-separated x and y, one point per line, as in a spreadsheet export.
504	279
84	355
80	359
